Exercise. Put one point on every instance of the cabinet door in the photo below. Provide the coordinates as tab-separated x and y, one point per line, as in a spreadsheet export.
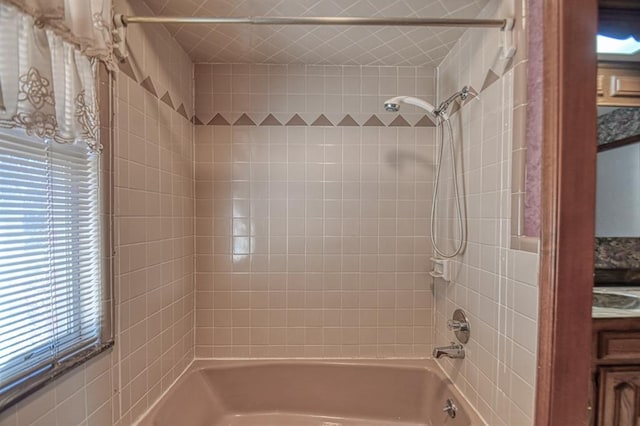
619	399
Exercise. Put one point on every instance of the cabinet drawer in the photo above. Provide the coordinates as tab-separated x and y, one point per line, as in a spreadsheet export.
618	84
619	345
625	86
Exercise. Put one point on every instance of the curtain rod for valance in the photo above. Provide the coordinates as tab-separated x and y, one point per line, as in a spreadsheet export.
327	20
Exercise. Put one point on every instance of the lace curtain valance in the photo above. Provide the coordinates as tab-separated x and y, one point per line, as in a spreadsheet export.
85	23
47	84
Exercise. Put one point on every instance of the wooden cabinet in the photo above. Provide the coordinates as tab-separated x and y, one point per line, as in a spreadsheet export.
618	84
619	396
615	395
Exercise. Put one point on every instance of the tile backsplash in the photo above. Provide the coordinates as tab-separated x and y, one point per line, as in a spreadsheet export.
312	240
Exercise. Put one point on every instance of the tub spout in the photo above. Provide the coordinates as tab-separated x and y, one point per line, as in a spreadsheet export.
452	351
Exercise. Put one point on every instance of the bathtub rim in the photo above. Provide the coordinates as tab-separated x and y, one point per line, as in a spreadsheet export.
426	364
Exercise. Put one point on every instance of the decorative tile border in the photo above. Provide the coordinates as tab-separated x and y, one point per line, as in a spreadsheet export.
326	120
148	85
321	120
245	119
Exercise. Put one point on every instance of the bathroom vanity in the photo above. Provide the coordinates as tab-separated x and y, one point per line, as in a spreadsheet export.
616	371
615	344
615	347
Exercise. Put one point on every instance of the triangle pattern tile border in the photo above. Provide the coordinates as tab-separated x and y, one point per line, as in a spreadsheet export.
425	121
127	69
399	121
244	120
490	78
166	98
218	120
348	121
296	120
373	121
182	111
270	120
322	120
147	84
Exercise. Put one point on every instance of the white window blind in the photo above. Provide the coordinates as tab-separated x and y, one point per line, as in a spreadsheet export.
50	256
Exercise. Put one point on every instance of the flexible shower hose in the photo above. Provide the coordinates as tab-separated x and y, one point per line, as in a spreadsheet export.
462	232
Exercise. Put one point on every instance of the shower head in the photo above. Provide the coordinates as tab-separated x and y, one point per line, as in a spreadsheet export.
391	107
393	104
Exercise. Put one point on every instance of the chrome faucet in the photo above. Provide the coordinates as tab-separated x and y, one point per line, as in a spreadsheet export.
455	351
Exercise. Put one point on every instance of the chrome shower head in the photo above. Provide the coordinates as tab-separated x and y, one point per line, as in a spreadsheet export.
391	107
393	104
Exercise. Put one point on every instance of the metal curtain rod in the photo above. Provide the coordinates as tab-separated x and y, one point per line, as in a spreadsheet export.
329	20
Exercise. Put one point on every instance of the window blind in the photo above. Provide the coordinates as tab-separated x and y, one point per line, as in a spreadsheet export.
50	255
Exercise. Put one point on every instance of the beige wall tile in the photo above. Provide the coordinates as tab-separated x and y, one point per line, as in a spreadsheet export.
154	250
318	213
494	284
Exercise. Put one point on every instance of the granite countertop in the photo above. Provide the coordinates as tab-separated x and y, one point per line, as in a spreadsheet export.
613	253
616	302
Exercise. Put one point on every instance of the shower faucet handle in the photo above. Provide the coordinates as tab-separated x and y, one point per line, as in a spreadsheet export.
459	324
455	325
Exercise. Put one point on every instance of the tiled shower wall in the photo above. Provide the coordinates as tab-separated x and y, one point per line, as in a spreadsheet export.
154	248
494	284
155	218
311	212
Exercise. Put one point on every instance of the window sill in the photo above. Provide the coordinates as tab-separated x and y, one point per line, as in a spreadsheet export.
40	379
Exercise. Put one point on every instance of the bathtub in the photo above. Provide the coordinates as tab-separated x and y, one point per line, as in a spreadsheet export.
311	393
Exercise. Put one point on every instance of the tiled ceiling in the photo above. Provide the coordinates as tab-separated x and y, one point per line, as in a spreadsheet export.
327	45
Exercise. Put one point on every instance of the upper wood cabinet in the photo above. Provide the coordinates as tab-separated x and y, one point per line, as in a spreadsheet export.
618	84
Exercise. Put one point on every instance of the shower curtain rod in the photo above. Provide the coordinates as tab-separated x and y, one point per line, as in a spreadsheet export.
328	20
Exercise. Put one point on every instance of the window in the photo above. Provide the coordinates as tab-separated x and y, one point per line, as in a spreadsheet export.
51	263
628	46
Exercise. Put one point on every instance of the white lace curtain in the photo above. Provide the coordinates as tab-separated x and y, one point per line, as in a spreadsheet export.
85	23
47	84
